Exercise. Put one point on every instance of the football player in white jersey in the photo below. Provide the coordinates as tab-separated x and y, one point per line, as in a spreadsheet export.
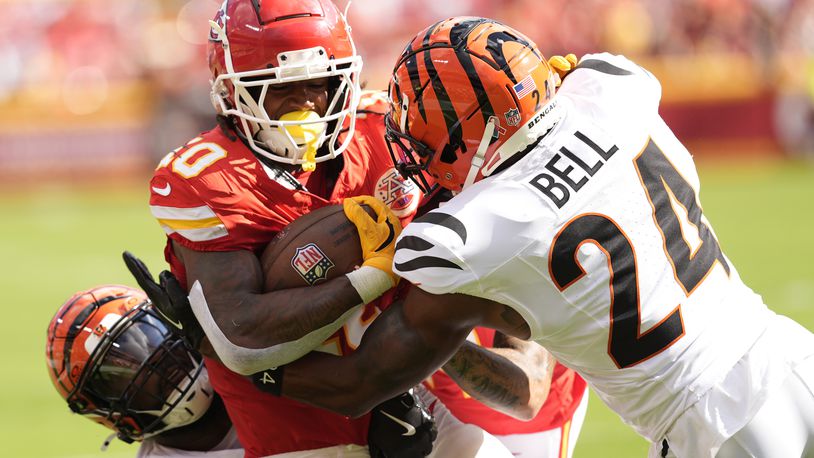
576	224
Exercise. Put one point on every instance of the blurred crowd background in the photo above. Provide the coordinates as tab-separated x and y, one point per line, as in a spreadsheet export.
93	88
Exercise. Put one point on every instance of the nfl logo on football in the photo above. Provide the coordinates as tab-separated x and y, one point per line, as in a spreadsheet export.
311	263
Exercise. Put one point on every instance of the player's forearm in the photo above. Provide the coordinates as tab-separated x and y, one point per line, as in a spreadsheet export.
354	384
504	379
259	341
260	320
251	331
333	383
232	284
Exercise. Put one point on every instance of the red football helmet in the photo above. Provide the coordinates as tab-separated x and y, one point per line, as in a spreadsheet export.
114	361
253	45
466	95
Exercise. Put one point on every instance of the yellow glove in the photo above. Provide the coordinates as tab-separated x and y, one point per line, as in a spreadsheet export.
563	65
378	237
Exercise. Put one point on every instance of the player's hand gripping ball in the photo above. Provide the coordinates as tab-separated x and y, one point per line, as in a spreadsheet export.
377	236
316	247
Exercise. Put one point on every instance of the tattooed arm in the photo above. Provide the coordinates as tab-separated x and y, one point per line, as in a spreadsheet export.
513	377
251	330
408	342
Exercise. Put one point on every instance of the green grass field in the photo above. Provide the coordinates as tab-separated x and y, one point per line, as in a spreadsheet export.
58	240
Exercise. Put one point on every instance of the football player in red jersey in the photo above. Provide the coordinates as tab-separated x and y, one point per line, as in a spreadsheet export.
116	362
295	133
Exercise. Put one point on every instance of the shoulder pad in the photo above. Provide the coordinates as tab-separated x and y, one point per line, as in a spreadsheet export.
613	80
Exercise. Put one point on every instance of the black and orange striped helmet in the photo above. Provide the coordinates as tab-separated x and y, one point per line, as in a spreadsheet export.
114	360
464	98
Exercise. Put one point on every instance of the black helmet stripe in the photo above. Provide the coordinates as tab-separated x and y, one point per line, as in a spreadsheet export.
65	344
417	86
256	5
495	46
447	109
410	60
415	81
454	133
77	326
458	37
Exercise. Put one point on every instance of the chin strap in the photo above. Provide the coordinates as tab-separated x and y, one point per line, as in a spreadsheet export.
106	443
540	124
477	161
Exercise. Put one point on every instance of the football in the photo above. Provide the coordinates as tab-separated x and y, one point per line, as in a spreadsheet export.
316	247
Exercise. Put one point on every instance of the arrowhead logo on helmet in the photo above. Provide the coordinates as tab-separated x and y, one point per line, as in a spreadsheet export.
218	24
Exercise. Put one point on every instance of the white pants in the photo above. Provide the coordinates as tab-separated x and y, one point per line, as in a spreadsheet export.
554	443
455	439
784	425
764	407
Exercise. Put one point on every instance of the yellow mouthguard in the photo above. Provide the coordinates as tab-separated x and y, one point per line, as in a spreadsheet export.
305	134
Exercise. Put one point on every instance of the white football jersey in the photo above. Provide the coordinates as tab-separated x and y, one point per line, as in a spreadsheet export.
597	238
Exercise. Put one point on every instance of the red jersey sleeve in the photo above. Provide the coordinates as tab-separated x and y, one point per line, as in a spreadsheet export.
207	196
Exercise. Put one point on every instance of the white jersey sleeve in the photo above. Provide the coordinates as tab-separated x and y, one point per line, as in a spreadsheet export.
451	249
426	254
610	82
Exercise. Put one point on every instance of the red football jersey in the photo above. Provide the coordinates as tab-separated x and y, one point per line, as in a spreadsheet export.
567	389
214	195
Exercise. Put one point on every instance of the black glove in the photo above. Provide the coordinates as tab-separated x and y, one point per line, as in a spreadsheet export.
401	427
168	298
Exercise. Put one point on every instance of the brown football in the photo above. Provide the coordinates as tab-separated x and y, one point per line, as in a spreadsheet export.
316	247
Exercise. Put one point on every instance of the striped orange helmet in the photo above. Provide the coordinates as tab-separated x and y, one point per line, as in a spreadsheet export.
114	360
467	94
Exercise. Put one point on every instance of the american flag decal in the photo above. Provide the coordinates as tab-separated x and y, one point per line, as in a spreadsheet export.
525	87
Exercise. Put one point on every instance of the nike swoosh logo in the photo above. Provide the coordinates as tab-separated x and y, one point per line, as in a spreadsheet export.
175	323
165	191
410	428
